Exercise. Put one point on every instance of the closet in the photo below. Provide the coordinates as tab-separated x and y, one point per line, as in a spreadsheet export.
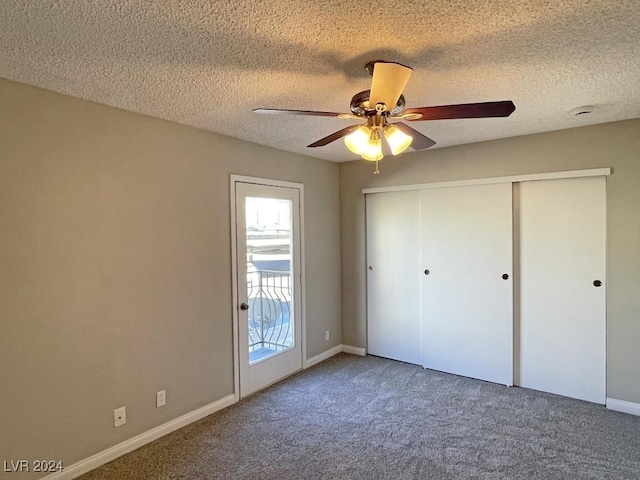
501	281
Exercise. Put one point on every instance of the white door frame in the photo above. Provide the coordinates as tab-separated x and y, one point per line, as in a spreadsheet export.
592	172
234	270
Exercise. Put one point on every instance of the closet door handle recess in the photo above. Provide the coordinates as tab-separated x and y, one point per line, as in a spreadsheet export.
597	283
505	276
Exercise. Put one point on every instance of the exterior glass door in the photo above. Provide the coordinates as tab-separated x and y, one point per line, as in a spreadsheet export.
268	252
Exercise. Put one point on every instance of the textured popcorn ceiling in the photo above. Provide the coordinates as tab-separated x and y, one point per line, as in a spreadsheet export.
207	63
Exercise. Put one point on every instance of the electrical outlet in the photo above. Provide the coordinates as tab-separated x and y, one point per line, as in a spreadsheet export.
161	398
326	336
119	416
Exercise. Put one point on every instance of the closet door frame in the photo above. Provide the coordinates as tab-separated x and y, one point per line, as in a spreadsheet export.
593	172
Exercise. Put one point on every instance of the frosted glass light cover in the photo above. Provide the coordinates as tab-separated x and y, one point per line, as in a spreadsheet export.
357	141
373	150
397	139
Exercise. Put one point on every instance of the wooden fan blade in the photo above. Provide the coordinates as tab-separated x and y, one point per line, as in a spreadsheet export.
387	84
282	111
334	136
465	110
420	141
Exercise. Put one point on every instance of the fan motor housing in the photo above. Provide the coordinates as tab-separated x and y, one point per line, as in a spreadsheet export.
360	105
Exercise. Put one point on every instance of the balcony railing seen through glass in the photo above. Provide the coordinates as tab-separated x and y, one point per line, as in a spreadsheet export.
270	312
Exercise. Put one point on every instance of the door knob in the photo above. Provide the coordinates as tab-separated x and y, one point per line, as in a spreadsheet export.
427	271
505	276
597	283
244	306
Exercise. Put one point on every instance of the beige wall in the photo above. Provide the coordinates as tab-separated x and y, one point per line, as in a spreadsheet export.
614	145
115	268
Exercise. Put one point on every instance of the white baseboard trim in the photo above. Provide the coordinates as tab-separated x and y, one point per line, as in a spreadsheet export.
333	351
100	458
623	406
354	350
322	356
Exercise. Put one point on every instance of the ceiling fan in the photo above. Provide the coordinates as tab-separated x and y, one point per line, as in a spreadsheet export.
384	102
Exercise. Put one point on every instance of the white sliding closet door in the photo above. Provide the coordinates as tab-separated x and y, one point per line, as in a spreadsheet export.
562	254
467	305
393	282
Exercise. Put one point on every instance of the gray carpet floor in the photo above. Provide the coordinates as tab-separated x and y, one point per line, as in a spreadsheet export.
370	418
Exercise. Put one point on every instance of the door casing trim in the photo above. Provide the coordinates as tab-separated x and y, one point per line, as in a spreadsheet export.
593	172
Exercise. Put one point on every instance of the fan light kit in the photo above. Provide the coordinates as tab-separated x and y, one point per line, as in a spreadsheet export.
367	139
384	101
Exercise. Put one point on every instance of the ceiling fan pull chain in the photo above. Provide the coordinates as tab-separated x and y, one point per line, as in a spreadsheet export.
377	170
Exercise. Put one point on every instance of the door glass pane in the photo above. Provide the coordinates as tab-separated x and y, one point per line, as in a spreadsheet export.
269	279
